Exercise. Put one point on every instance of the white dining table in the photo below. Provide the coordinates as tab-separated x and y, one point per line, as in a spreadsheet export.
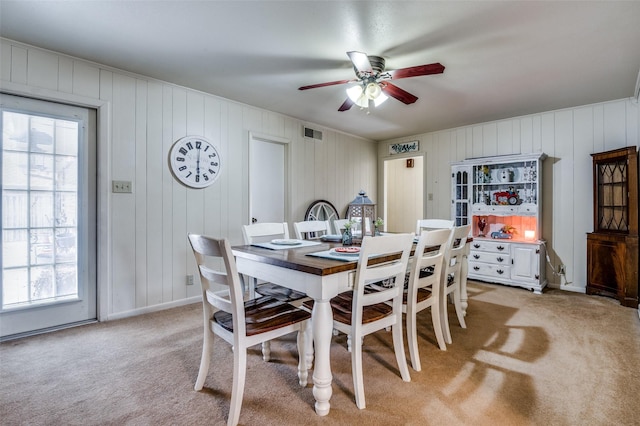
319	278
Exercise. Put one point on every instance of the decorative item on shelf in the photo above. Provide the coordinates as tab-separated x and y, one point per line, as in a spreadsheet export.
378	224
486	174
362	210
347	236
508	197
506	232
482	223
506	175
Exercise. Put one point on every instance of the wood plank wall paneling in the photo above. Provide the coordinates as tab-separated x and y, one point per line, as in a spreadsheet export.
149	256
146	254
568	137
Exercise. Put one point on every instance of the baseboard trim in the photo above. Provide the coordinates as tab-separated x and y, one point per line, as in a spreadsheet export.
154	308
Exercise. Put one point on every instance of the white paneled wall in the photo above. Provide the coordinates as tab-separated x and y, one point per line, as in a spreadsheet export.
568	137
143	250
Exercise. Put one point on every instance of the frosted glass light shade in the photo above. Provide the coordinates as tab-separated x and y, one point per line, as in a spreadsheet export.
380	99
373	90
354	93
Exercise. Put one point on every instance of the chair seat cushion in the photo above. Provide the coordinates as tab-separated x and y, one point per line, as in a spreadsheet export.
264	314
341	307
279	292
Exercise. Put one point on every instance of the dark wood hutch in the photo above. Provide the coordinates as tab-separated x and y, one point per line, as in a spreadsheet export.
612	248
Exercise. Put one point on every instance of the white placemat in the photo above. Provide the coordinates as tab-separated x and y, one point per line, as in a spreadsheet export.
299	244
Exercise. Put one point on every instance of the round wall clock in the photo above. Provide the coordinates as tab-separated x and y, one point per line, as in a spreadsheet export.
194	161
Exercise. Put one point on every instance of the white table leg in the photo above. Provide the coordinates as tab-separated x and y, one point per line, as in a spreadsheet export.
464	270
322	319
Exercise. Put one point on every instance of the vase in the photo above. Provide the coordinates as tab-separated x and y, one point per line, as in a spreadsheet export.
347	237
376	232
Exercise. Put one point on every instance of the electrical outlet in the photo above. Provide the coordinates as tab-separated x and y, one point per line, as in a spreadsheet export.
189	279
121	186
562	269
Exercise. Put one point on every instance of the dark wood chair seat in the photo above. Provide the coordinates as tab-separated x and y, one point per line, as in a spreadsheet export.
263	314
279	292
341	308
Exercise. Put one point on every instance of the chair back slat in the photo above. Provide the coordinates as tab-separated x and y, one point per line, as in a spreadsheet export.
264	232
311	229
431	259
432	224
390	272
338	225
206	248
458	243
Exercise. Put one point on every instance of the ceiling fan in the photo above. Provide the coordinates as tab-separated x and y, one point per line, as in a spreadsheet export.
373	81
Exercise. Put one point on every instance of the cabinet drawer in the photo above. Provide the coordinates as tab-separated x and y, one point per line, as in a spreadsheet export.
490	246
489	270
490	257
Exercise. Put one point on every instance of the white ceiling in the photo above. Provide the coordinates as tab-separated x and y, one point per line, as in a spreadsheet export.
502	59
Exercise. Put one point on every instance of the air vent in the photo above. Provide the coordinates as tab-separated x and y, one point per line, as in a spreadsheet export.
314	134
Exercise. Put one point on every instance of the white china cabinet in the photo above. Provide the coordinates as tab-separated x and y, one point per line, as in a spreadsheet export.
501	197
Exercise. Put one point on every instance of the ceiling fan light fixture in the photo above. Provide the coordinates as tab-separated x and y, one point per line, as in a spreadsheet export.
373	90
354	93
362	101
380	99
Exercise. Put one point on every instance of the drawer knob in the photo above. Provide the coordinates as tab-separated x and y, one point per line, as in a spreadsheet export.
476	256
500	247
500	271
476	245
476	268
499	259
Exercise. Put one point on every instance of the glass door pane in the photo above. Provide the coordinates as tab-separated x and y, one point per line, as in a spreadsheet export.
45	212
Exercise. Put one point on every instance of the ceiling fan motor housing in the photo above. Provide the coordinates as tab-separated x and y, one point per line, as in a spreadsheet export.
377	65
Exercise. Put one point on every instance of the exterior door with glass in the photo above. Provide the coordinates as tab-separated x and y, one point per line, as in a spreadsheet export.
48	214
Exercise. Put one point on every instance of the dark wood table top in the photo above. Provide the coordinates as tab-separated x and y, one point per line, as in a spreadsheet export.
297	259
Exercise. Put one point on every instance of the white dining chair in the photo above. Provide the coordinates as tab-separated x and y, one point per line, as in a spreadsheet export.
361	312
338	225
431	224
241	324
264	232
452	278
425	287
311	229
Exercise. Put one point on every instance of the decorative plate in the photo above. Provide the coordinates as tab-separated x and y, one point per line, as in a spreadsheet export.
347	250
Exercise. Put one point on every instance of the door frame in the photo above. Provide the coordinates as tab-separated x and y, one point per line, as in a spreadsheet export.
103	177
253	136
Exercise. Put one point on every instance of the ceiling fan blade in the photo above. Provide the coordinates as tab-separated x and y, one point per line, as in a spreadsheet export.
331	83
360	61
435	68
346	105
398	93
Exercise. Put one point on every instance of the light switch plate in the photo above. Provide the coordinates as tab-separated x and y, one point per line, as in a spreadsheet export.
121	186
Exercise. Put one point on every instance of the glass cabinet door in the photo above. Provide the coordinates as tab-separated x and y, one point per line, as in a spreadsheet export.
461	203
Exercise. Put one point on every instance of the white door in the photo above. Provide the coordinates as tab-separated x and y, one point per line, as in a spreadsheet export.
267	179
48	215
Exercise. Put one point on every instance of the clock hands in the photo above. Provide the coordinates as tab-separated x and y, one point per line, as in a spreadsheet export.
198	163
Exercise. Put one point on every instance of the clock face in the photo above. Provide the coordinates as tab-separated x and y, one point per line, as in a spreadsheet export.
194	161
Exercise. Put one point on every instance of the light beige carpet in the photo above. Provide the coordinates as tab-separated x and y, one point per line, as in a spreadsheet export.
554	359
